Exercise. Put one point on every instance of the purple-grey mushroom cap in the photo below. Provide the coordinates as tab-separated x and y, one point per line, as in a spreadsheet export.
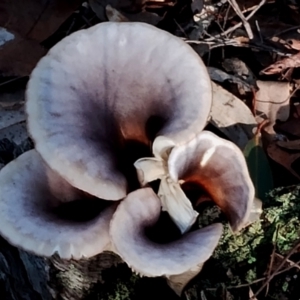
30	194
112	83
220	169
140	210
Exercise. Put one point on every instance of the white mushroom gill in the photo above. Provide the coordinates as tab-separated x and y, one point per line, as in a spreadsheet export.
100	88
172	197
31	216
214	164
140	210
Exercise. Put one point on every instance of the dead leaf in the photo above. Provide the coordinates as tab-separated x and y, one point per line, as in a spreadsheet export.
129	6
113	15
272	103
258	166
145	17
5	36
221	76
289	145
291	127
197	6
281	65
9	117
16	133
232	116
18	56
125	11
35	19
251	294
294	44
284	158
13	125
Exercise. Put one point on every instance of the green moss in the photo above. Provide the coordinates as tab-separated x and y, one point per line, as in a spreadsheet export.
122	290
243	257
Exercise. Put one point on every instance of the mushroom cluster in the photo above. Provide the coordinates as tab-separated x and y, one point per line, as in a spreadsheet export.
111	109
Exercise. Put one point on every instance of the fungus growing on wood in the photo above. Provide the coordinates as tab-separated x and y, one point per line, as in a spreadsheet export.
139	211
99	89
33	217
96	92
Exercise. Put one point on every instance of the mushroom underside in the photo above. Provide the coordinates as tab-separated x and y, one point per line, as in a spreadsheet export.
37	212
110	84
141	210
219	168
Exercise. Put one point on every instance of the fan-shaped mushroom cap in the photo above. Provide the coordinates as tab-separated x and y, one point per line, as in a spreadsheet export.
141	209
219	167
111	83
30	191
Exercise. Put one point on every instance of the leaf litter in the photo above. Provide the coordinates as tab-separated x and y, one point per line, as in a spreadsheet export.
251	49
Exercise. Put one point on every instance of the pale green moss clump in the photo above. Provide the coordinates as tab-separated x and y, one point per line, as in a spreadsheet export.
244	255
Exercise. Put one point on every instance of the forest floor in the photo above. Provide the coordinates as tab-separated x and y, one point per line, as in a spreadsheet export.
252	52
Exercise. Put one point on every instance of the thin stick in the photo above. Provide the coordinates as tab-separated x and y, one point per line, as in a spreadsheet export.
272	260
259	32
238	24
246	24
276	271
292	263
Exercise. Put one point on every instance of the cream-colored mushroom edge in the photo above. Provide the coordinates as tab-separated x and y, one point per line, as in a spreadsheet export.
110	110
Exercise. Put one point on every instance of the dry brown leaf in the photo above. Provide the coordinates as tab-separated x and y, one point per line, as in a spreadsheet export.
35	19
284	158
293	43
232	116
272	103
221	76
291	127
145	16
124	11
289	145
281	65
18	56
98	6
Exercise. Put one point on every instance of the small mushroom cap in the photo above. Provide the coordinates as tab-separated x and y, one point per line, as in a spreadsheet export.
219	167
141	209
112	83
30	193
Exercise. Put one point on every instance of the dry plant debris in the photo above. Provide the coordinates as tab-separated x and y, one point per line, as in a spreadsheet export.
251	49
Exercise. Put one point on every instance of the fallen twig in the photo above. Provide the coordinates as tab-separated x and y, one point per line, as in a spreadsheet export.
246	24
277	270
238	24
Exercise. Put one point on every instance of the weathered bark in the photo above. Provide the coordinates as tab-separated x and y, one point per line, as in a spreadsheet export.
26	276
